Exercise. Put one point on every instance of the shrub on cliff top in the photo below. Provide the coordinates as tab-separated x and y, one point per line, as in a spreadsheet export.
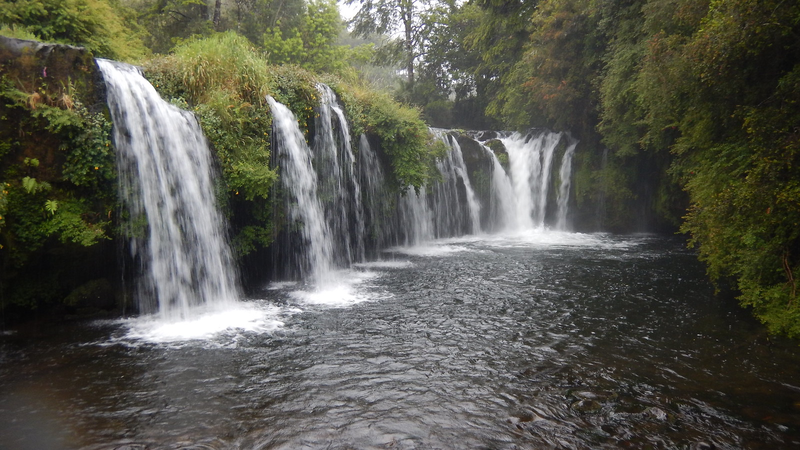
102	26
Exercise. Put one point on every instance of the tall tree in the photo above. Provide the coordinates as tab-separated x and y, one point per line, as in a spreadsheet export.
410	21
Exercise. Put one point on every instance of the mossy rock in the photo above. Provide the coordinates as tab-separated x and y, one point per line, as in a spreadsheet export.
52	70
94	294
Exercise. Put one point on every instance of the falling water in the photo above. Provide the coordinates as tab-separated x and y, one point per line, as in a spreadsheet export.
338	181
503	213
565	178
460	168
314	258
416	221
341	209
454	205
166	182
372	181
530	160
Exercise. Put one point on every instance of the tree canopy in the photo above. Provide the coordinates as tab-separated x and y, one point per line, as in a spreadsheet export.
687	110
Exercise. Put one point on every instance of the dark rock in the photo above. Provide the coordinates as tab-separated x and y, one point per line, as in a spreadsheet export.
95	294
658	414
586	406
36	66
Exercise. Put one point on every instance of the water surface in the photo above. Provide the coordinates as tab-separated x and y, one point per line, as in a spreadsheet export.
537	340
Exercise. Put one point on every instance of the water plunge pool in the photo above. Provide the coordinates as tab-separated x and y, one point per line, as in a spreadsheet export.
536	340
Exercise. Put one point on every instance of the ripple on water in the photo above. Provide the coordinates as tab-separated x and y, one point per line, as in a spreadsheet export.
592	341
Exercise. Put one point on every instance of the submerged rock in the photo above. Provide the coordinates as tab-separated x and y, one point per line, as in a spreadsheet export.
586	406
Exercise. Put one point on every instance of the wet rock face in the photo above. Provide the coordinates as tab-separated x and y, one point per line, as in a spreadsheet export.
36	75
475	157
51	69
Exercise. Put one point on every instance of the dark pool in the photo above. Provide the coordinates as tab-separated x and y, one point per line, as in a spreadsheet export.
546	340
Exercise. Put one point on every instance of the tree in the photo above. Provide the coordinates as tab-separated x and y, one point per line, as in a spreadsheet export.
311	45
416	21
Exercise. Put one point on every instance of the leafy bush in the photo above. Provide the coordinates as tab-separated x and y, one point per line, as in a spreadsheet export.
225	80
93	24
401	132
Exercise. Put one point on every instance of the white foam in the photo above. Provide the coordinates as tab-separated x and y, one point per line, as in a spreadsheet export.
546	238
531	238
384	264
344	288
279	285
207	325
432	248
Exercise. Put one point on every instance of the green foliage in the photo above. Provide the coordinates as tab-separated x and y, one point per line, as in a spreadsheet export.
718	84
98	25
402	135
17	32
254	17
52	177
227	81
311	45
168	22
68	222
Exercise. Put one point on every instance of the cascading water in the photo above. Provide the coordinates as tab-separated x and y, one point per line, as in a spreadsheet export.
339	208
445	208
377	220
314	254
453	169
565	178
530	158
166	182
503	214
416	221
338	181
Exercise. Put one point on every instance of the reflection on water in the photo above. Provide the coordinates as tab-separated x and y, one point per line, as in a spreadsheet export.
542	340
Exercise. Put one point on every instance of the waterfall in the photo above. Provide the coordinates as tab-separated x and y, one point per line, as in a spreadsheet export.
565	178
503	213
339	209
166	183
530	160
314	252
417	221
373	188
456	160
454	205
338	182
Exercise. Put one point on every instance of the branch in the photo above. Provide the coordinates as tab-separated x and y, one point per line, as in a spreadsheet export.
787	268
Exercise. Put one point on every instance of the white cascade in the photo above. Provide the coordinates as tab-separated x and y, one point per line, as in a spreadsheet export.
448	203
503	213
338	180
565	180
166	182
460	168
530	160
416	220
304	208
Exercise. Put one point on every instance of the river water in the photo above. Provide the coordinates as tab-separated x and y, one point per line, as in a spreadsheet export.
537	340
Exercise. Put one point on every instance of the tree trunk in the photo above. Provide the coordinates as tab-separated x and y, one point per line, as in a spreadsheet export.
407	15
217	13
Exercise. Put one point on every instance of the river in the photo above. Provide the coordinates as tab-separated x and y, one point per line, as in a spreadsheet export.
534	340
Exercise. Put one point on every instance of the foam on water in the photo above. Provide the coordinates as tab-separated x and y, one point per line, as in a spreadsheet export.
208	325
385	265
537	238
442	247
279	285
545	238
351	287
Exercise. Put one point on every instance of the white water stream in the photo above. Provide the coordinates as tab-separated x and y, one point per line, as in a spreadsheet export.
300	179
166	181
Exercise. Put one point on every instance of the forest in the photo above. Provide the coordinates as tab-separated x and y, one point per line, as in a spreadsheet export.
687	112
